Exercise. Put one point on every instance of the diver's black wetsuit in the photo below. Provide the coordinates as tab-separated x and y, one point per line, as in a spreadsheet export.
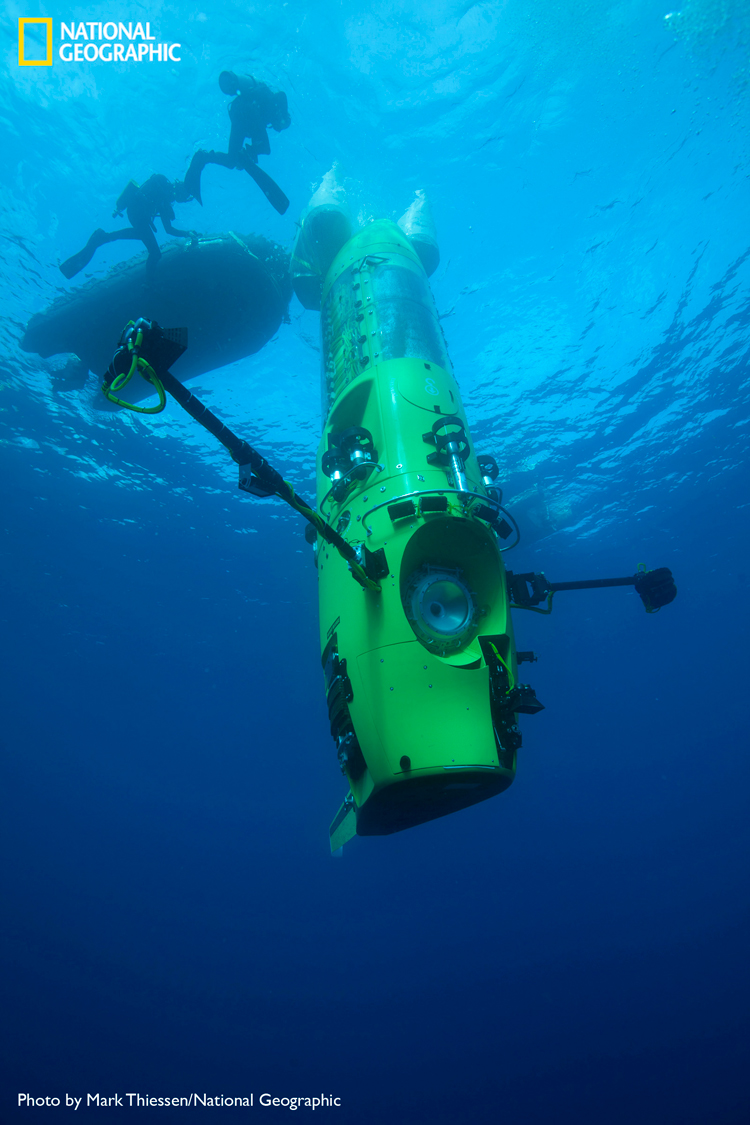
254	109
143	204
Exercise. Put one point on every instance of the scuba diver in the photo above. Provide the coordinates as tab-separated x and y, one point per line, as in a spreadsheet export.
254	108
143	204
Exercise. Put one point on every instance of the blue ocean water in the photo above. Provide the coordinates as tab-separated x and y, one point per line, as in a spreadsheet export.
574	950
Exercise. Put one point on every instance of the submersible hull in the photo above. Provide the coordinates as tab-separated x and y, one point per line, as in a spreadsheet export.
420	676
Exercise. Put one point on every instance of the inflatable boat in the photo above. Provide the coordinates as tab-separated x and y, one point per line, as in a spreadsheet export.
230	291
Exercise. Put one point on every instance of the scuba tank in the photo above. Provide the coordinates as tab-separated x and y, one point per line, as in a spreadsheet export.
126	198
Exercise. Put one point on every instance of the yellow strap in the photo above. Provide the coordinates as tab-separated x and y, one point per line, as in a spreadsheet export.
148	373
511	677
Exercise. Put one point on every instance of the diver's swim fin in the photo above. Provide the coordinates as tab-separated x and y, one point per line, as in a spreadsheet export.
269	187
73	265
192	179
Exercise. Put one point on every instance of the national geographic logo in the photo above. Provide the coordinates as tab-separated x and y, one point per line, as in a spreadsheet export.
110	41
23	23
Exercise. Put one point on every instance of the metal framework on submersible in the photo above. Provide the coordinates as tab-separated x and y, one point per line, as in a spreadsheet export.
418	653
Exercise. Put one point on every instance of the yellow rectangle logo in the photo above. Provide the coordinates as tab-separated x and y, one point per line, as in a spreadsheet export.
22	60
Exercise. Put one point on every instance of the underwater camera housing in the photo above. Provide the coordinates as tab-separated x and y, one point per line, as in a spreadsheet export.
655	588
159	347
